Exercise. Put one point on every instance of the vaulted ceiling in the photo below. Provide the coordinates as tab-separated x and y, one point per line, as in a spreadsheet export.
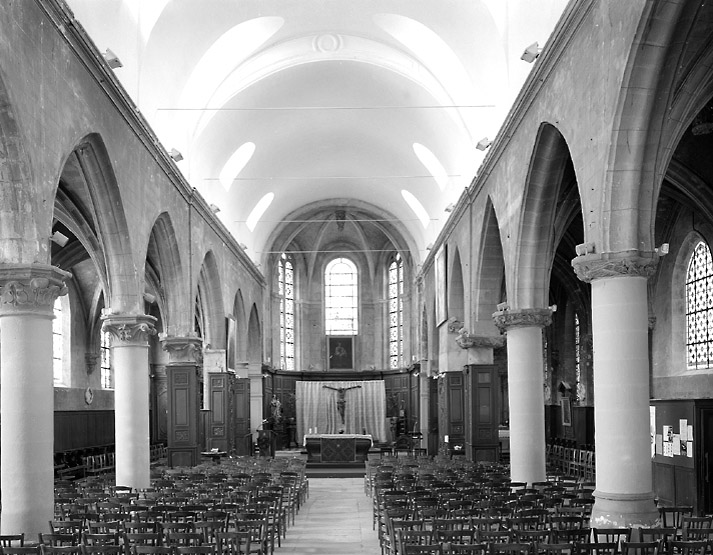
282	106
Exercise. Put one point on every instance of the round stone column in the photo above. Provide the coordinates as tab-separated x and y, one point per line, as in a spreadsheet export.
27	296
130	360
623	495
526	391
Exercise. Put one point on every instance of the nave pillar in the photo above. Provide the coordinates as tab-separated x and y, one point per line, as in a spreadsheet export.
130	361
526	390
27	296
623	495
185	363
256	389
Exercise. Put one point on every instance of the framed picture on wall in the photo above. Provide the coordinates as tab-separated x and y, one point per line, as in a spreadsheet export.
340	349
566	408
441	286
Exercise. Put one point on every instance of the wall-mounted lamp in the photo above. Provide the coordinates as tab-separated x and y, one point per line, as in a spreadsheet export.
483	143
584	249
176	155
502	307
450	207
59	238
149	298
112	59
662	250
243	246
553	308
429	246
214	208
531	53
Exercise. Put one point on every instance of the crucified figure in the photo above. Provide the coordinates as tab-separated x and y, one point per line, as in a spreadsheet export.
341	397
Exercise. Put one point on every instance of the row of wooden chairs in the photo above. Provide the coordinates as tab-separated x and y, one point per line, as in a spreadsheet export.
572	461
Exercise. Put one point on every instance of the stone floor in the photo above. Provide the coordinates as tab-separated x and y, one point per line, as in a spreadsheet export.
335	520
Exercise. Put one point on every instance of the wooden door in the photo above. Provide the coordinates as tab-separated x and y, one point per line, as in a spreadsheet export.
242	438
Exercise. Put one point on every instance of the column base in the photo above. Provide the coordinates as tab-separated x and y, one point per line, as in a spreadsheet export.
624	510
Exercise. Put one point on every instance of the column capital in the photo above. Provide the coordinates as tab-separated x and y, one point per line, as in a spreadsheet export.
183	350
591	267
522	318
30	288
129	329
467	340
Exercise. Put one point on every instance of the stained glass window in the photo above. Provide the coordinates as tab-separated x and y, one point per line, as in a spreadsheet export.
577	347
286	291
57	342
396	312
341	297
699	308
107	377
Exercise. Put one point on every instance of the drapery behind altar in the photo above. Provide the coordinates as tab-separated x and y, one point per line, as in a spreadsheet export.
364	403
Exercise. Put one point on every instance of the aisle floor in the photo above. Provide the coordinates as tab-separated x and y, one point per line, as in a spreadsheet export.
336	519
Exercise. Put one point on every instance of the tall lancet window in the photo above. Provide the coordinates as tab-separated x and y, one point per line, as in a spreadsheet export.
341	297
396	312
286	291
58	342
107	376
699	308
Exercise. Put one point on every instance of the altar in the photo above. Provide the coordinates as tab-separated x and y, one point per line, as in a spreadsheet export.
337	449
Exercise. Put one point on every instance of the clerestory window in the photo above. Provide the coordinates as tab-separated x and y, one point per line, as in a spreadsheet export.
396	312
699	308
286	292
341	297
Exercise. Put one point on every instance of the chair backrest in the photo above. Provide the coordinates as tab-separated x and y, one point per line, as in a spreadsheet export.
696	521
103	549
611	535
641	548
697	534
12	540
465	549
233	543
151	550
56	540
672	517
597	548
21	550
687	547
546	548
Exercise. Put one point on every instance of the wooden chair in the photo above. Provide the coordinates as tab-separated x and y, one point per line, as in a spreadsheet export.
101	539
664	535
545	548
20	550
596	548
60	550
103	549
611	535
510	549
151	550
680	547
195	550
151	539
672	517
12	540
641	548
233	543
57	540
465	549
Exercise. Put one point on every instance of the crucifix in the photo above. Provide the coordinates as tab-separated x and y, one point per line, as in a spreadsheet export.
341	397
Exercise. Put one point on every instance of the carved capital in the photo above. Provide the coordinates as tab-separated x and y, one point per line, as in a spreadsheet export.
454	325
30	288
467	340
523	318
598	266
183	350
129	329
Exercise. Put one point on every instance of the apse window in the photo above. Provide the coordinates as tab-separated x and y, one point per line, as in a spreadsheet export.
396	312
699	308
106	375
341	297
286	292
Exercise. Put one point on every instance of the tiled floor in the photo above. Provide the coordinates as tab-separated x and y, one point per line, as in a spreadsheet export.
335	520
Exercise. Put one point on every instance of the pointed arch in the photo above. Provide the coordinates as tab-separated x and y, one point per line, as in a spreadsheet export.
241	329
535	250
488	290
209	304
456	288
254	336
163	259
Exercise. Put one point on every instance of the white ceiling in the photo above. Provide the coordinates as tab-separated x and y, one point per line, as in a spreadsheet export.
333	94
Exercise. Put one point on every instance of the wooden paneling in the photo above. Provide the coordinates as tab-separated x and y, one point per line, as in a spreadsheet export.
218	429
81	429
241	416
182	415
482	384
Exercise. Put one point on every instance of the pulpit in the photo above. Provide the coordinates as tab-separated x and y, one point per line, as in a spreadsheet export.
337	449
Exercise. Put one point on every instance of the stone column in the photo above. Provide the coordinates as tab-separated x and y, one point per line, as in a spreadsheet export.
27	296
623	495
130	360
256	387
185	356
526	390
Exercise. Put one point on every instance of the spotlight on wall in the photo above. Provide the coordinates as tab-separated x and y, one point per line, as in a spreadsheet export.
450	207
531	53
149	298
584	249
112	59
553	308
663	249
176	155
429	246
214	208
502	307
59	238
243	246
483	143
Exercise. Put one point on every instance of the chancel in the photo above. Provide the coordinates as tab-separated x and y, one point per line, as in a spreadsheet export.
367	225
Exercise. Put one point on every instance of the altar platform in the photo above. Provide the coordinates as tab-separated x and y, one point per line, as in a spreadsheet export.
348	450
